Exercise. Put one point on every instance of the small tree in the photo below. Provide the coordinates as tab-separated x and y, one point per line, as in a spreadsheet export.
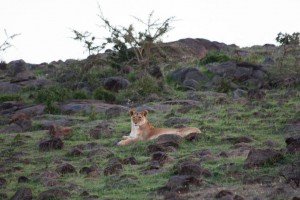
129	45
7	42
140	42
289	43
88	41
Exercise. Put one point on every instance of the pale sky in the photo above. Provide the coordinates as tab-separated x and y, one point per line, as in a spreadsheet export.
45	25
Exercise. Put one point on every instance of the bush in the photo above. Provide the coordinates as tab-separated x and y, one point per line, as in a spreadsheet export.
10	97
214	56
102	94
53	93
80	94
146	85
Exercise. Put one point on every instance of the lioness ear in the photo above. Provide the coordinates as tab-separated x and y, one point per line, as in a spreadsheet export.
145	112
131	111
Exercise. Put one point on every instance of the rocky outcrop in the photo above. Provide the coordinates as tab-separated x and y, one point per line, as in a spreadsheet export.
189	77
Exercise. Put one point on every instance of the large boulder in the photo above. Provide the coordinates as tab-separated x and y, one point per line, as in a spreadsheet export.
115	83
6	87
23	76
189	77
261	157
15	67
227	68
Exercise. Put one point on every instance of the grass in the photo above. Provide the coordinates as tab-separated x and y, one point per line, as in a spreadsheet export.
260	120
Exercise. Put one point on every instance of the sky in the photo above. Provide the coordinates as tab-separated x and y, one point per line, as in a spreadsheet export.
45	25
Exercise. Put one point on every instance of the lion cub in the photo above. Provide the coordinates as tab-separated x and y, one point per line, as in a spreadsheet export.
141	129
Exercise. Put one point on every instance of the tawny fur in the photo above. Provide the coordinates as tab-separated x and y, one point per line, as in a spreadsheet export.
141	129
18	116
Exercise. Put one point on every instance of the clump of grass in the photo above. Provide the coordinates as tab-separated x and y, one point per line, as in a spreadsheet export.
213	56
102	94
10	97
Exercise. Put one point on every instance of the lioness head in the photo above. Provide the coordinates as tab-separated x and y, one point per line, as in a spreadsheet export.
138	118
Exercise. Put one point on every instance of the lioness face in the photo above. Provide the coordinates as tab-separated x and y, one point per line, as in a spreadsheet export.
138	118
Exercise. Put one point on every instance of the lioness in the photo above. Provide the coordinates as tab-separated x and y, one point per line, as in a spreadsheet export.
141	129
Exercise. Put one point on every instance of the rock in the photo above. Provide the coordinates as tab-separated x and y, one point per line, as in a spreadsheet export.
249	65
130	160
101	151
25	125
102	130
2	182
23	76
179	184
160	157
85	170
168	140
235	140
260	157
226	69
55	193
154	147
193	169
13	128
9	88
47	124
293	144
239	93
76	152
192	137
175	121
23	179
191	84
291	173
189	76
113	112
256	94
51	144
268	61
22	193
155	71
65	168
49	178
114	166
223	193
115	83
33	110
16	67
243	73
154	165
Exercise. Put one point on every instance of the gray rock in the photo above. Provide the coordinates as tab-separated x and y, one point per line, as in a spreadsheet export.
23	76
238	93
227	68
182	74
15	67
6	87
243	73
115	83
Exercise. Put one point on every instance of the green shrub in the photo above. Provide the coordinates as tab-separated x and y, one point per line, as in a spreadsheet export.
10	97
102	94
80	94
53	93
213	56
146	85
